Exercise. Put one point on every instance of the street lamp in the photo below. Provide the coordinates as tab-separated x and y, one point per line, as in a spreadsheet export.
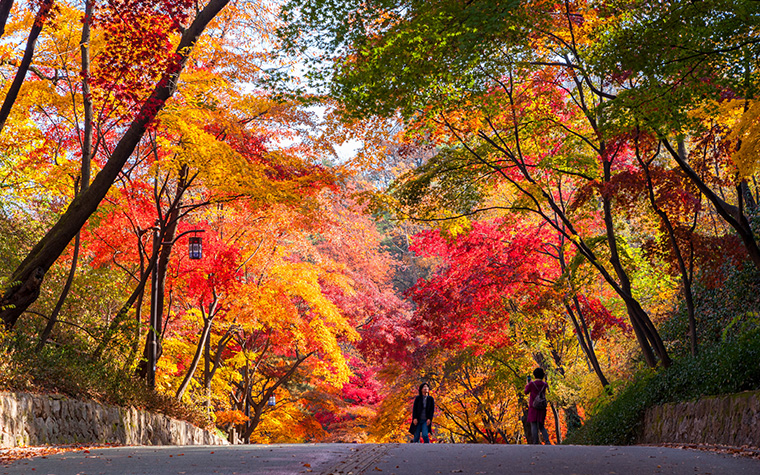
196	247
195	252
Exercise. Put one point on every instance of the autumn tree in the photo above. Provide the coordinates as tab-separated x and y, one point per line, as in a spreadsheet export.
24	284
690	62
512	76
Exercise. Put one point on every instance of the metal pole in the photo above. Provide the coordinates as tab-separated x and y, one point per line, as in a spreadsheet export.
153	330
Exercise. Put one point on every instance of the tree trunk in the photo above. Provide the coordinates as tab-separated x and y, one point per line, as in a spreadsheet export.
522	402
496	427
557	428
258	406
84	47
212	364
25	282
163	245
87	151
733	215
584	339
579	323
685	276
646	333
121	316
39	22
53	319
168	225
203	341
5	10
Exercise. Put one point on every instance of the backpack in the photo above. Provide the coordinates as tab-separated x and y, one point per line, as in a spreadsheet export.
539	402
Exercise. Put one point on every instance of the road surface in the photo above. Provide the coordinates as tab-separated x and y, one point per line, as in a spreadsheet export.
399	459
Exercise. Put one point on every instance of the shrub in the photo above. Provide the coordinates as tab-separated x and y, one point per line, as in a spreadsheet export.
729	367
721	312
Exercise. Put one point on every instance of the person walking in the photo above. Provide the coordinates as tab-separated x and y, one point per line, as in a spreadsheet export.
422	414
537	406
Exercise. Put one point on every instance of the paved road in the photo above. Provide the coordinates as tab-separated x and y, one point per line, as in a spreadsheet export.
399	459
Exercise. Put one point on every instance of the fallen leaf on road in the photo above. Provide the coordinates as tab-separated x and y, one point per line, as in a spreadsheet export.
14	454
742	451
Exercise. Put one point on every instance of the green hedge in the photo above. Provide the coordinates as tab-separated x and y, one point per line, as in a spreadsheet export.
729	367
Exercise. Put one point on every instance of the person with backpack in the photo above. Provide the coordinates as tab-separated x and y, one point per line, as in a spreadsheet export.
537	406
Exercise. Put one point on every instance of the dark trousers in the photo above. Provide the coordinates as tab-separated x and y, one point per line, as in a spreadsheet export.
535	427
422	429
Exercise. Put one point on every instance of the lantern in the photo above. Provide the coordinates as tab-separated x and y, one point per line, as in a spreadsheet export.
272	401
196	248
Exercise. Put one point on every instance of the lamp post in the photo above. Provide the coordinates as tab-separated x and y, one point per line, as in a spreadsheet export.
153	326
195	252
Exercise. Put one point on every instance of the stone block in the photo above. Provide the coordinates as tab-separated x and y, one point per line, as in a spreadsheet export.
27	419
732	420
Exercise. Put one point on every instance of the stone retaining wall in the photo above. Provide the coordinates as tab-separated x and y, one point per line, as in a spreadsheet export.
732	420
31	419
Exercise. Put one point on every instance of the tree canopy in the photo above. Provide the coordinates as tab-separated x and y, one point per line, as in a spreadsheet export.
570	185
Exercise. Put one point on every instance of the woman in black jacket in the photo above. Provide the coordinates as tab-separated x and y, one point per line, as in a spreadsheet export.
422	414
